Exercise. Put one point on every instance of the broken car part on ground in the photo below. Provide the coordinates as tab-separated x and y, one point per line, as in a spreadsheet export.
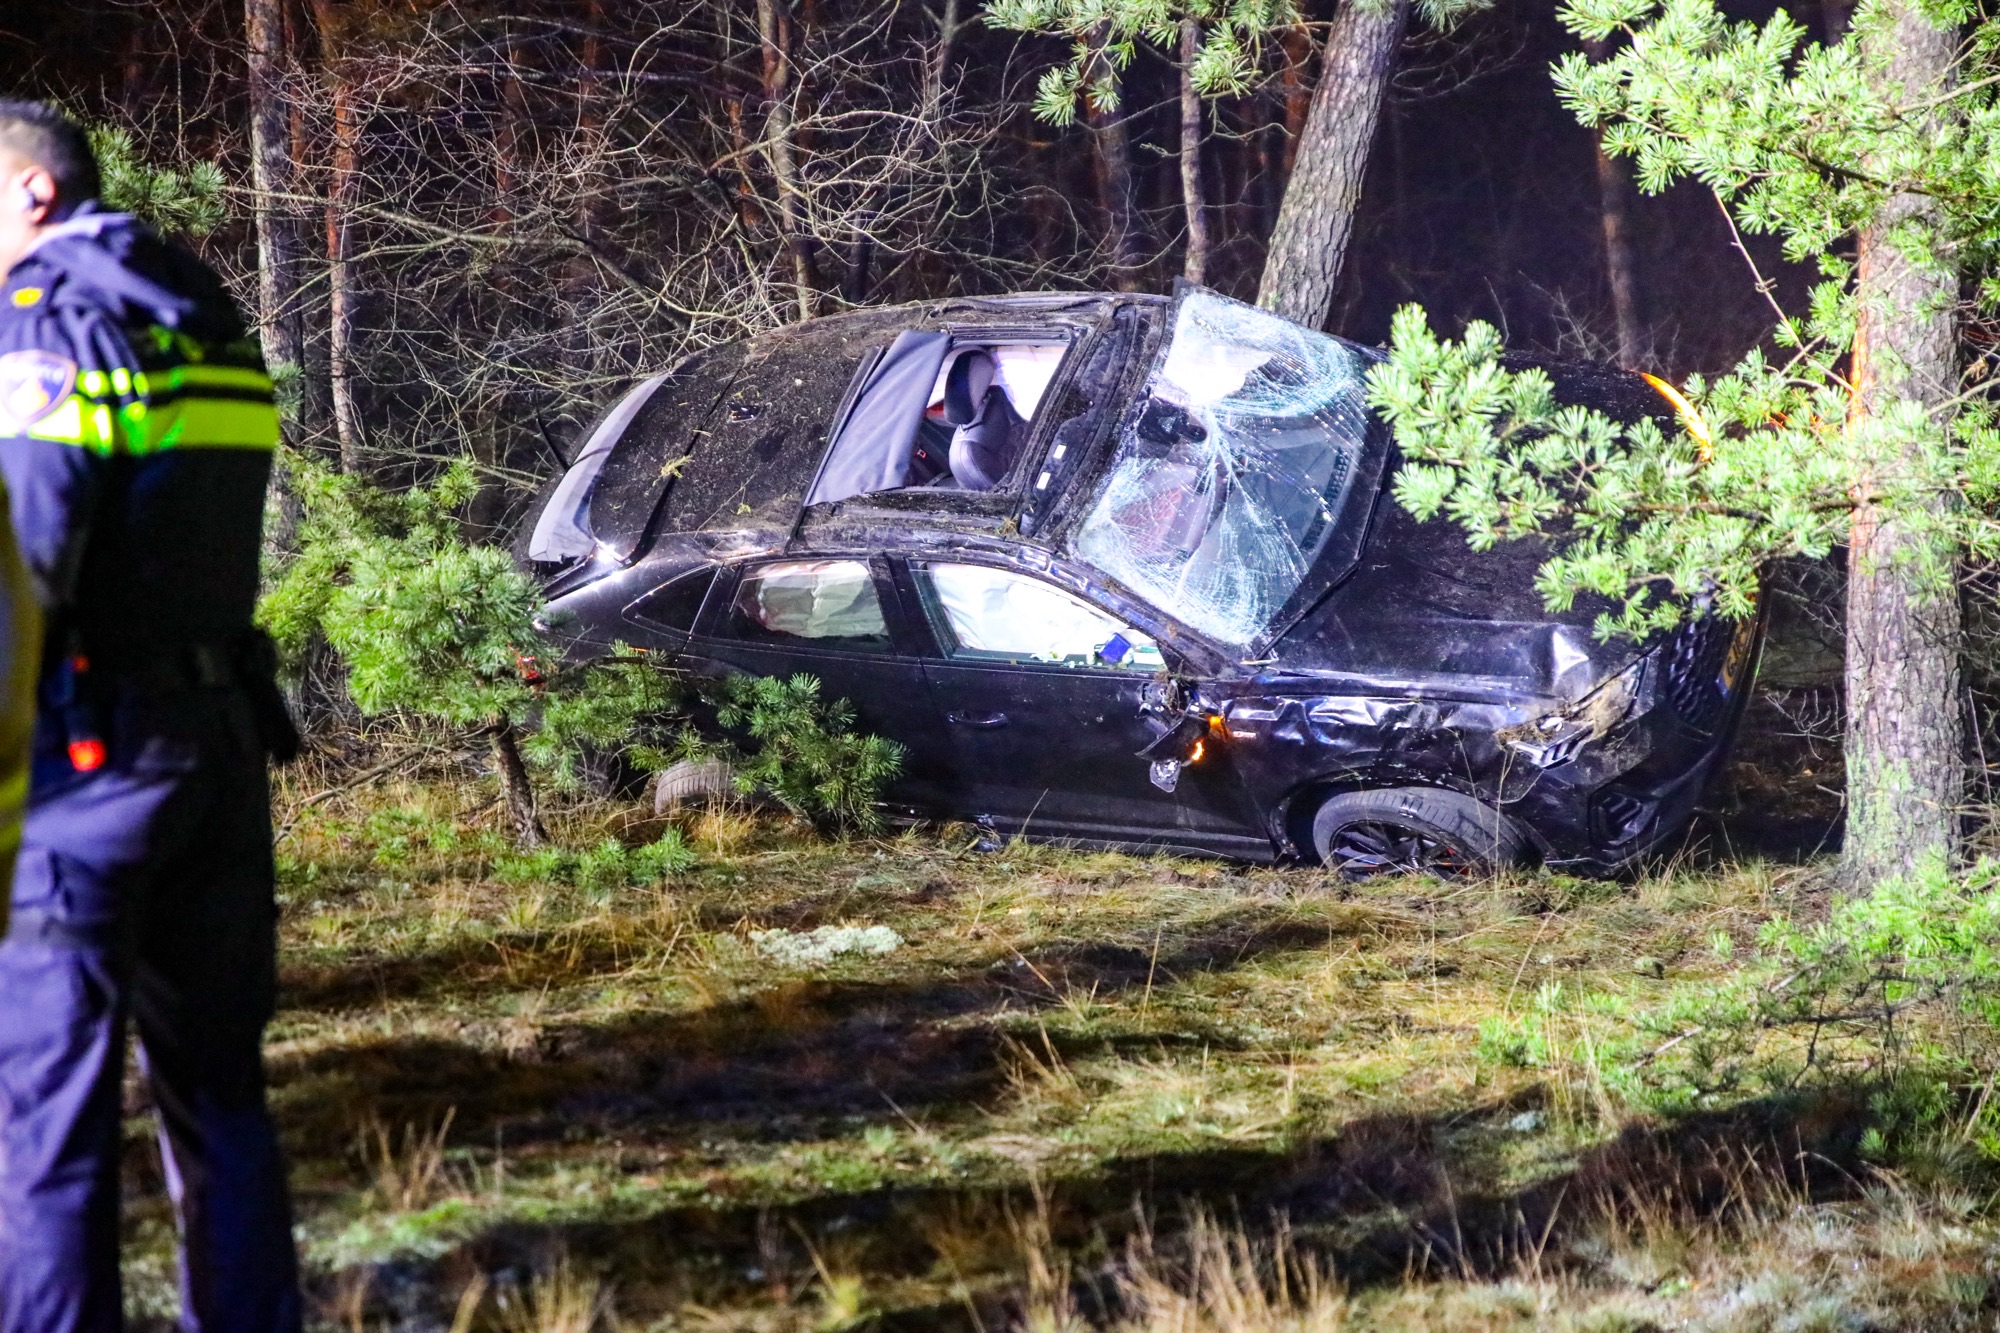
1124	570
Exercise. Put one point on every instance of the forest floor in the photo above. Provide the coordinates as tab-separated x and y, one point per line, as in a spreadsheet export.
1028	1088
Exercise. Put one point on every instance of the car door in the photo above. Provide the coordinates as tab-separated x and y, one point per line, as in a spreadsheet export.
1041	695
837	619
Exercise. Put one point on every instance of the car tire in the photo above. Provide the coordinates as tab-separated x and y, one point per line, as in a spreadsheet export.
693	780
1414	830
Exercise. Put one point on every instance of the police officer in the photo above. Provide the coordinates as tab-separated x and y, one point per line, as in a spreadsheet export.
136	429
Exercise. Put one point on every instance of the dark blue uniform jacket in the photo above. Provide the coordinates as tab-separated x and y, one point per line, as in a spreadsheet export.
136	430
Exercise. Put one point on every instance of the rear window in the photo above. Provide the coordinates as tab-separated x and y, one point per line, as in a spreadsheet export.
756	454
642	460
676	605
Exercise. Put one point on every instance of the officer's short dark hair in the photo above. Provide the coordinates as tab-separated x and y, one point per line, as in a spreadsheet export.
39	133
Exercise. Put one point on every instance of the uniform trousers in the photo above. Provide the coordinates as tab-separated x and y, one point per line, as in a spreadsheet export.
144	891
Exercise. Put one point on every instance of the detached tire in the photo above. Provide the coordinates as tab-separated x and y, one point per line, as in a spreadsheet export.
693	780
1414	830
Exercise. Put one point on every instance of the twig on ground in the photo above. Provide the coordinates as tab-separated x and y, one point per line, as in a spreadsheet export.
362	778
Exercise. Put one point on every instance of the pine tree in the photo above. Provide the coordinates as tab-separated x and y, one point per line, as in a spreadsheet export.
1862	429
425	622
1309	242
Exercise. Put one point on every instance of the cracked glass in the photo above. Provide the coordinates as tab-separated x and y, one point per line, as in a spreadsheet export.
1230	473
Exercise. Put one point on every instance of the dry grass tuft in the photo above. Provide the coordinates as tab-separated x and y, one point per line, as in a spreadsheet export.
1219	1280
556	1300
408	1170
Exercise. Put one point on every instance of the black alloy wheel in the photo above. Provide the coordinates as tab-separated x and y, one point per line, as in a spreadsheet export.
1414	831
1373	847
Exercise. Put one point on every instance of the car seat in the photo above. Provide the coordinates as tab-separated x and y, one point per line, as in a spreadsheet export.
988	430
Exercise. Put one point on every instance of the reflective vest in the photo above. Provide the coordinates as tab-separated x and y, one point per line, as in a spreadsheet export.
136	430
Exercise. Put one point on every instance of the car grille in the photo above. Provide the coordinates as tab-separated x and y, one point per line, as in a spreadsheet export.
1694	660
1619	816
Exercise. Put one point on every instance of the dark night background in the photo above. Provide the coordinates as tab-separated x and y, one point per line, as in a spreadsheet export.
1481	202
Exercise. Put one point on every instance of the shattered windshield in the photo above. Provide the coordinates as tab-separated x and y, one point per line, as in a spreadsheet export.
1229	474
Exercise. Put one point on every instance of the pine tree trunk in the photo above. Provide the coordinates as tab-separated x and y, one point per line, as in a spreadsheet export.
1104	112
1302	268
280	240
1195	264
341	189
340	278
1905	736
517	792
780	147
948	25
1614	193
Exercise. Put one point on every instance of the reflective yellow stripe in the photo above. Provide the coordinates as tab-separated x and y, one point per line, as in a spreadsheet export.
177	378
13	808
85	425
124	383
136	428
13	798
199	423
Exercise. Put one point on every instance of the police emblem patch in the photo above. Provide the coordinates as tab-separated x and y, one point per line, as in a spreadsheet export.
33	384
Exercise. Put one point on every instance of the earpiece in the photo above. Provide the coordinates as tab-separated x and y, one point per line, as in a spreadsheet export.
24	200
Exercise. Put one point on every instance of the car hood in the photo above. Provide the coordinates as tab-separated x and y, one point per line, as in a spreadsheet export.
1422	608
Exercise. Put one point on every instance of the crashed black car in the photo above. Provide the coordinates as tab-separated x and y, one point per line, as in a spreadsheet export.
1126	571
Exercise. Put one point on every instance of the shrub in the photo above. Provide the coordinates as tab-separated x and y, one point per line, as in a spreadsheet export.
805	751
607	866
1897	992
433	626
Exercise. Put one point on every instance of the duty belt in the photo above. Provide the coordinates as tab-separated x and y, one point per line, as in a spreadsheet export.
186	666
247	661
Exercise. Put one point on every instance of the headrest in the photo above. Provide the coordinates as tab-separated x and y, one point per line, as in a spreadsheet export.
965	386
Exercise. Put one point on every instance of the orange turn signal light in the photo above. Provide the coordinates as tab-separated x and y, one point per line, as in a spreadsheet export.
1704	438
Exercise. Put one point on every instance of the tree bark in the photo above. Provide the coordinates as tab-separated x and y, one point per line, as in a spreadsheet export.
517	792
280	235
774	36
510	138
948	25
340	275
1195	264
1905	735
1614	197
1103	111
1614	193
1302	268
340	193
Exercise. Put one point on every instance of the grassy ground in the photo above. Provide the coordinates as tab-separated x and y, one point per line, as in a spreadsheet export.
1068	1088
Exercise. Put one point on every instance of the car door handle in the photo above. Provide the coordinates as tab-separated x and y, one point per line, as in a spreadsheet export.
976	719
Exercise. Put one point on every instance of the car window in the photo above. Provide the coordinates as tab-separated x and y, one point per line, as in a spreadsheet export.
1232	469
676	604
830	603
998	615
